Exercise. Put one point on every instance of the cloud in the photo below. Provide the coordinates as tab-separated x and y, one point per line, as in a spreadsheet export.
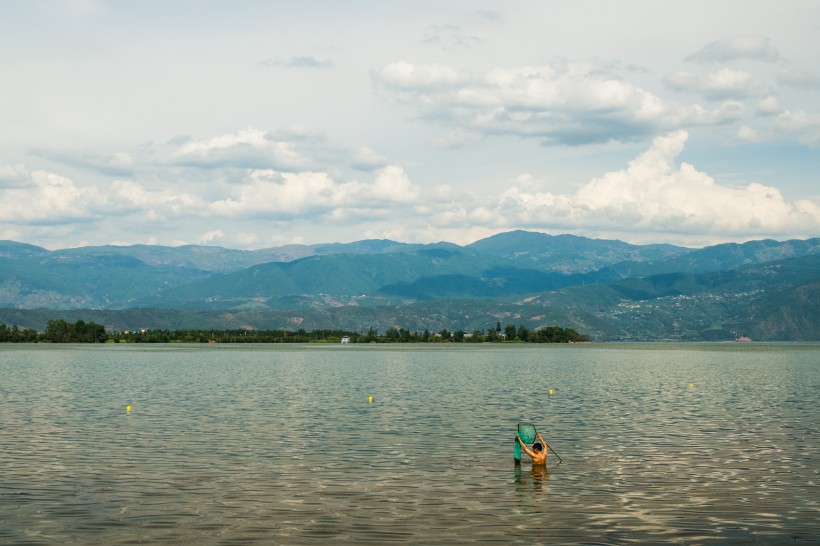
654	197
298	132
130	197
365	159
801	79
769	106
46	198
14	176
242	150
167	193
724	84
211	236
450	37
559	104
456	139
655	194
250	148
404	76
803	127
754	48
489	15
299	61
116	164
277	195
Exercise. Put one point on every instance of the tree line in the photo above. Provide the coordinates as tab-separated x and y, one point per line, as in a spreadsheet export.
57	331
60	331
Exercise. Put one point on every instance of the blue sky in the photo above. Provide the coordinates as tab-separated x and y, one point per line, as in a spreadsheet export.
256	124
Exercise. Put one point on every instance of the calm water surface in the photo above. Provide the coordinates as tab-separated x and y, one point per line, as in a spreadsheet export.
691	444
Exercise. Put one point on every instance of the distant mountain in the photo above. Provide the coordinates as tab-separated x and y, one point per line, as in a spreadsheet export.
10	249
337	275
66	281
791	314
713	258
205	259
568	253
765	302
377	246
607	289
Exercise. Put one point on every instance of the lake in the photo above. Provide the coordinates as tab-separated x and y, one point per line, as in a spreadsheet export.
274	444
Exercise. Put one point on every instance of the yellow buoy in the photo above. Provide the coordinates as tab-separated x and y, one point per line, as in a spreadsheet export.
370	399
128	409
550	391
691	385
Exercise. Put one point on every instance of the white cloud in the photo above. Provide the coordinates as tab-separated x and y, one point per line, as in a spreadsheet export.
14	176
132	197
250	148
299	61
748	134
756	48
803	127
276	195
456	139
366	159
769	106
246	239
793	77
654	194
724	84
269	193
450	37
409	77
115	164
211	236
48	198
560	103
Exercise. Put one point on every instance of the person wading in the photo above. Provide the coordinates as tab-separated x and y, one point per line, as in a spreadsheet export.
538	453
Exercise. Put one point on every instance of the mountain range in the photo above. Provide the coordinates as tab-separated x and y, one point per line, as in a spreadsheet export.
609	290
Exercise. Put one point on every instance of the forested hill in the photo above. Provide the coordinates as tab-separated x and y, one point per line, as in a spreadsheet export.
609	289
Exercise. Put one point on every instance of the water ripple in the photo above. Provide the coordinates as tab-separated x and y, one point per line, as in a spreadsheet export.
257	445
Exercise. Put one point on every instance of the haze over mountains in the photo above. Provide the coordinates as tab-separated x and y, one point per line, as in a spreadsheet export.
767	290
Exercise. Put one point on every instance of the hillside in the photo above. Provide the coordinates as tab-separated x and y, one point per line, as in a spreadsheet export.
568	253
763	289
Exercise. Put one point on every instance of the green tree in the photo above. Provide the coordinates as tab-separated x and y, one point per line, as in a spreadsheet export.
57	331
509	332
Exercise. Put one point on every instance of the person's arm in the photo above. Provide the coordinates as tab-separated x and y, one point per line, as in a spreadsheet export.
543	442
524	446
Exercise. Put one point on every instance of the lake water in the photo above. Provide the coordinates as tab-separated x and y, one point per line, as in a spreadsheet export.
264	444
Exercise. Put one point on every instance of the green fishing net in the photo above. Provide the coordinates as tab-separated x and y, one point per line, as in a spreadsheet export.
526	432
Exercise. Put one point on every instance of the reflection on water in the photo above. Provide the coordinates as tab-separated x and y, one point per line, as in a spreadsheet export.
537	476
704	443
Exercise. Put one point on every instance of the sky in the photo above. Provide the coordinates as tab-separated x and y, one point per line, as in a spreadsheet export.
251	124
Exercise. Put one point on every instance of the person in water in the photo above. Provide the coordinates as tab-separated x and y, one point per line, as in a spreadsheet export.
538	453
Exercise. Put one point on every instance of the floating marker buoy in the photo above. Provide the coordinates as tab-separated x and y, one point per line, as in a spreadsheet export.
370	399
128	409
691	385
550	391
